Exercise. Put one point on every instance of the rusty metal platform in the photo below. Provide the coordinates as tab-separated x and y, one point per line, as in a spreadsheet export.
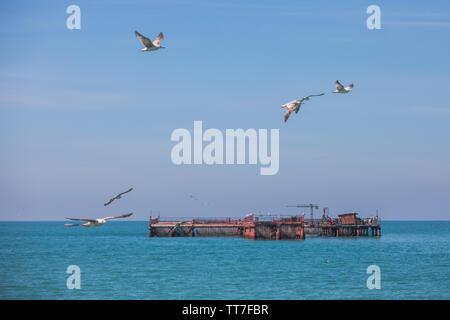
251	227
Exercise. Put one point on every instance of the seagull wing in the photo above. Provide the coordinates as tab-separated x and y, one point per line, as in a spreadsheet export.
350	87
158	39
314	95
120	194
289	109
110	200
145	41
86	220
339	86
118	217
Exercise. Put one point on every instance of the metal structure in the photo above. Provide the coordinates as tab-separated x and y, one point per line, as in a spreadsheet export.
268	226
311	206
251	227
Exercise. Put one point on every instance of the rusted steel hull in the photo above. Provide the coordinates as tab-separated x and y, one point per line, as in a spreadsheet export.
274	230
249	228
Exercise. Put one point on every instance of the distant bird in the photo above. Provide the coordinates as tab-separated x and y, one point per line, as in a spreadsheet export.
149	45
340	88
98	222
176	226
196	199
180	223
295	105
117	197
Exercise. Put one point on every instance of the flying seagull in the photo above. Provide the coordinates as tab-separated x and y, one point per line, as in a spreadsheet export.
98	222
176	226
117	197
180	223
295	105
340	88
149	45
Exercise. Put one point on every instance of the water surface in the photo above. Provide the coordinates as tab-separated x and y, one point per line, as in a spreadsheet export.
118	261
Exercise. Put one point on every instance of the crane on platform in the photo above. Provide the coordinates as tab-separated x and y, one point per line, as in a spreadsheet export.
311	206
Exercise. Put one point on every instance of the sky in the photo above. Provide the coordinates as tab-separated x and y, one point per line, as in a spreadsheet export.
85	115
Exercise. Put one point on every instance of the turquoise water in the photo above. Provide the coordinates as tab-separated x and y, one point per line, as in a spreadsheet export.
118	261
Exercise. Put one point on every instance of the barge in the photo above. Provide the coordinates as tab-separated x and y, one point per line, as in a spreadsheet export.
251	227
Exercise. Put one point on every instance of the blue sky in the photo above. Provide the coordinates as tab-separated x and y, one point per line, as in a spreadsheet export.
84	114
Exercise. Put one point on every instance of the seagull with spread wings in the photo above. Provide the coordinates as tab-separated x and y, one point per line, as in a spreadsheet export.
295	105
340	88
149	45
176	226
98	222
117	197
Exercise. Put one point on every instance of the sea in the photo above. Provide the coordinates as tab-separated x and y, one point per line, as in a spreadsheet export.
119	261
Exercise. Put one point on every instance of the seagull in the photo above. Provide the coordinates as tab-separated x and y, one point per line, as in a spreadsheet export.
180	223
177	225
295	105
340	88
98	222
149	45
117	197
